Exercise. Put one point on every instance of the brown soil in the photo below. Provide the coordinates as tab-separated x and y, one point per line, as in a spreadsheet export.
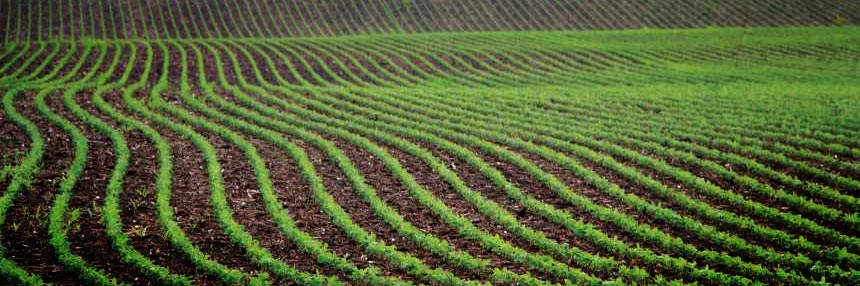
298	199
190	199
483	185
41	58
670	181
726	184
12	68
137	201
393	192
14	143
87	235
339	186
639	191
336	239
416	213
293	61
335	65
578	185
27	244
260	19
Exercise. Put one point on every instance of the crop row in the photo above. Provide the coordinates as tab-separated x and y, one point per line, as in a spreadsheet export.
670	193
59	19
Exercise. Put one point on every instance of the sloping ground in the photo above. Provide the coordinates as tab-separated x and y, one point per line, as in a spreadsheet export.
711	156
58	19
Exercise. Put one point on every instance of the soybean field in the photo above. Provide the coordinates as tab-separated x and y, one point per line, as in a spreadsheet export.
430	142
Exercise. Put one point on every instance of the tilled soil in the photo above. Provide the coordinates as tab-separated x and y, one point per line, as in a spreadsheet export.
482	184
14	144
301	18
424	175
20	55
190	200
749	194
34	66
321	228
298	199
87	234
530	185
25	234
751	239
630	187
394	193
137	201
287	179
247	205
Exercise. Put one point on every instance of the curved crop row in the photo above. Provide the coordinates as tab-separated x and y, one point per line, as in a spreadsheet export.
600	158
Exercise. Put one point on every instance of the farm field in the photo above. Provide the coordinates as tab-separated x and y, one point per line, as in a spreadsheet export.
430	142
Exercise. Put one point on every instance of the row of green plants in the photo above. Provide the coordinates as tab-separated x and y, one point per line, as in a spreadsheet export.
619	61
777	146
217	197
648	146
303	240
520	46
163	181
471	61
794	245
729	108
494	211
271	113
808	205
350	170
21	52
259	76
753	146
579	201
73	48
248	19
21	175
20	181
556	143
488	207
21	67
682	132
384	211
111	208
58	215
783	133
